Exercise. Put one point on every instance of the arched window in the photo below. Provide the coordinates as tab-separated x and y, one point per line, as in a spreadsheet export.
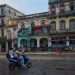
44	27
72	25
62	25
53	26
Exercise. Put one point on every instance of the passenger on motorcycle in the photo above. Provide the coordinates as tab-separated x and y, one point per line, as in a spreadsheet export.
20	58
11	55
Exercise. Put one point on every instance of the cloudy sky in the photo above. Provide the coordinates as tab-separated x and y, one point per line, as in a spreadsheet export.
28	6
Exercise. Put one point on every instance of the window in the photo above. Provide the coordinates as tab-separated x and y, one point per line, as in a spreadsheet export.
72	5
58	40
57	10
9	34
62	25
1	21
67	7
53	9
9	11
61	7
44	29
14	13
53	26
72	42
72	25
72	39
2	11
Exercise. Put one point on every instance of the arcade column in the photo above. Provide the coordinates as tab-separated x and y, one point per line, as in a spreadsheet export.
49	44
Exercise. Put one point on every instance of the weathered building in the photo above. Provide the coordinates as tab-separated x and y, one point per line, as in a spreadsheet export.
6	13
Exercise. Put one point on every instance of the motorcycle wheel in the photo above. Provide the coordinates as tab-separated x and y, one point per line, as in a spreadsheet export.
11	67
29	65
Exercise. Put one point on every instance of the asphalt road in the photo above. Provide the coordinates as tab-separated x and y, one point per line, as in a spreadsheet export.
42	67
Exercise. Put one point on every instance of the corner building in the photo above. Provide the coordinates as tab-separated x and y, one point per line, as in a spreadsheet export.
62	20
7	31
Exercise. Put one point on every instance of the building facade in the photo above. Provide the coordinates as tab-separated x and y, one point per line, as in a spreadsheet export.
51	30
47	31
6	13
33	34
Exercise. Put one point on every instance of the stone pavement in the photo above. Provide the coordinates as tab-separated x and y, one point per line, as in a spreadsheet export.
42	67
43	64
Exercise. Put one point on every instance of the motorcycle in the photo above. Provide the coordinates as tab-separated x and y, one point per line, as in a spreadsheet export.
14	63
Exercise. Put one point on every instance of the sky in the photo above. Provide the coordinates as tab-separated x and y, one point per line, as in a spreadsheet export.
28	6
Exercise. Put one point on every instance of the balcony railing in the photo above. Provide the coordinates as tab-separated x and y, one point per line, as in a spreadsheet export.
53	32
65	13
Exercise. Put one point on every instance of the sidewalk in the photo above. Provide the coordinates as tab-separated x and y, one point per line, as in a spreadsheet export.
46	55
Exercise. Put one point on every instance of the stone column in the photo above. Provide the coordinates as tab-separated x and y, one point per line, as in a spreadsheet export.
38	42
0	47
49	42
7	46
67	23
12	44
19	42
67	41
57	24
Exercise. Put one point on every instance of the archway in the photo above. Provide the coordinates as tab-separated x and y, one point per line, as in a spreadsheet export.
23	43
33	44
44	44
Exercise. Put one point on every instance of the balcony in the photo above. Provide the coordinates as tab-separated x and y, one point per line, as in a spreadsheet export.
61	14
54	31
39	34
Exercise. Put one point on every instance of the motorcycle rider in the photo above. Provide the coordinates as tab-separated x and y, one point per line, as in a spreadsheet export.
20	58
11	55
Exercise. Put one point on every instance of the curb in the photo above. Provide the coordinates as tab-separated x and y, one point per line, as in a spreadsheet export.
46	55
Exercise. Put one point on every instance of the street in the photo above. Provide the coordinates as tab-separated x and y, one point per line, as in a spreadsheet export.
42	67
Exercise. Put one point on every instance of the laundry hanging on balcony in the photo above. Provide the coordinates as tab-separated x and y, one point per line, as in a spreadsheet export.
38	28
